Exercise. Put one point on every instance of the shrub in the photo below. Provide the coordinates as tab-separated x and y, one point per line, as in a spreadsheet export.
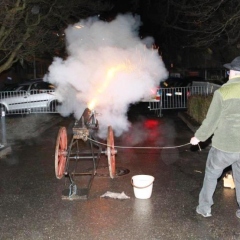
198	106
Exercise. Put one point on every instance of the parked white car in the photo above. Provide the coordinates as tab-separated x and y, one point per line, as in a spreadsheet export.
32	96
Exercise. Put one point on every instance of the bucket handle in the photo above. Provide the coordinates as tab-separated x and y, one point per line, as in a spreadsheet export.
142	187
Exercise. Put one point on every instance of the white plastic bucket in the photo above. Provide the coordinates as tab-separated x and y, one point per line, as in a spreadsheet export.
142	186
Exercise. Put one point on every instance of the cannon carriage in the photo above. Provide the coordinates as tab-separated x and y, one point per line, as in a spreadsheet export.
83	146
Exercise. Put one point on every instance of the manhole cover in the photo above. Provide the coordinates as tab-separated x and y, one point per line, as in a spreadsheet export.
104	171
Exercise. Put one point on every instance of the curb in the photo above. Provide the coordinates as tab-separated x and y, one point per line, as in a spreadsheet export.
193	126
5	151
191	123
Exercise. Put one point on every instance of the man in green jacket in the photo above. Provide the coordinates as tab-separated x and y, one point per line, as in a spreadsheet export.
223	124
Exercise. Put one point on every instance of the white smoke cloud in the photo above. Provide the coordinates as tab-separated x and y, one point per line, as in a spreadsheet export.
108	63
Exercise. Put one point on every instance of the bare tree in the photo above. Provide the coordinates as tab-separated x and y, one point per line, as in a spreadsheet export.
30	27
209	22
208	27
203	22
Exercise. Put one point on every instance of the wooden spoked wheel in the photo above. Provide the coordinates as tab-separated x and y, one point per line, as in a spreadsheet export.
61	152
111	153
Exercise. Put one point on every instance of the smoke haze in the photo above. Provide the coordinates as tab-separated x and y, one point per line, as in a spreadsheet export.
108	67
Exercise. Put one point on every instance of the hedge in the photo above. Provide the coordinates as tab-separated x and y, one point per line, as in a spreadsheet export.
198	106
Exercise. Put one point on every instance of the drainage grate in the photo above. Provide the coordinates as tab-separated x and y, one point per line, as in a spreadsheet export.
104	171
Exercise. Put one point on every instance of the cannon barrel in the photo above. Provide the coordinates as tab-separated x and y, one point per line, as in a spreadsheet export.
85	124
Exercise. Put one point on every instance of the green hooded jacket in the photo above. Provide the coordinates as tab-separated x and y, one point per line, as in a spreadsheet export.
223	118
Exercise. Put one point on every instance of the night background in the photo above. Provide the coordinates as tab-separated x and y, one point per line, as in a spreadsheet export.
191	36
101	66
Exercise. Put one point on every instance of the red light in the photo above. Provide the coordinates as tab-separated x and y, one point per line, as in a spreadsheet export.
150	123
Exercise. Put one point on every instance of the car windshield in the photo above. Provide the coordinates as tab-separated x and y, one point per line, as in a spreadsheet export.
9	88
42	85
171	82
22	88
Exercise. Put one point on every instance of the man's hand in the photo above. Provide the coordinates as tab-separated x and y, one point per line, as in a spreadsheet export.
194	141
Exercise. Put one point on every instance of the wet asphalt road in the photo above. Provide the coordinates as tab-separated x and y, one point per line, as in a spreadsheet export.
31	206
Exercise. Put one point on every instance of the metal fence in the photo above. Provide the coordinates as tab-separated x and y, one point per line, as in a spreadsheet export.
34	101
44	101
176	98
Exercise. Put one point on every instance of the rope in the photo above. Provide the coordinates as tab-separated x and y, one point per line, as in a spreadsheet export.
142	147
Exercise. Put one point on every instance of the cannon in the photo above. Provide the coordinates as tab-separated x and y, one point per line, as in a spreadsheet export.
83	146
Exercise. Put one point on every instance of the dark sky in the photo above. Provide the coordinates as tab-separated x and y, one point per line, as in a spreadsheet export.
121	5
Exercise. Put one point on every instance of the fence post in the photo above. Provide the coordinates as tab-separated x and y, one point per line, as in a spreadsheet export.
160	103
160	107
3	125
